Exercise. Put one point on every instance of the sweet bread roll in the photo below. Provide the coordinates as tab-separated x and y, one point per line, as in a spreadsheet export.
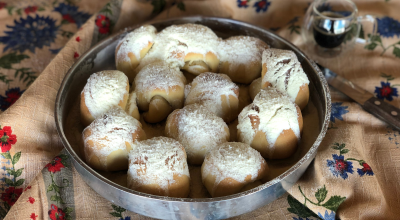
103	91
159	89
158	166
240	58
191	47
229	167
255	88
282	70
131	106
132	48
217	93
109	138
272	124
198	130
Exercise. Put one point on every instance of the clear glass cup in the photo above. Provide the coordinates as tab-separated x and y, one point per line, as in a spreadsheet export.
332	27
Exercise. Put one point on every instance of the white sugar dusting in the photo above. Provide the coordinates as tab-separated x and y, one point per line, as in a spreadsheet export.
160	158
276	113
208	88
174	42
284	71
110	132
135	41
240	50
158	76
131	105
200	130
104	90
232	159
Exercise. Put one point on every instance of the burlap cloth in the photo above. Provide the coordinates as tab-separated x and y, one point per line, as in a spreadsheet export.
355	175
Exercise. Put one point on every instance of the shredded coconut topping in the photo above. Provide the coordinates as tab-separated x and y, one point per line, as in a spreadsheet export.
110	132
208	88
158	76
241	50
135	41
232	159
174	42
276	113
104	90
200	130
155	161
284	71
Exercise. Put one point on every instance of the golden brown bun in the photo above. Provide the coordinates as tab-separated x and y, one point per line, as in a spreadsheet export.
86	116
225	105
285	144
98	153
128	67
255	87
133	48
196	63
158	166
198	130
159	90
219	183
241	58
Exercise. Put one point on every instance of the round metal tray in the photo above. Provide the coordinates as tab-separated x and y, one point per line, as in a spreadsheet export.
101	57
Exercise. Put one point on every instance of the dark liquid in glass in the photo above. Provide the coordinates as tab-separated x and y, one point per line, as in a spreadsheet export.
324	30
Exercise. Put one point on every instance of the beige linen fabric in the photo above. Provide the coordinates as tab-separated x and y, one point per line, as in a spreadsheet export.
367	138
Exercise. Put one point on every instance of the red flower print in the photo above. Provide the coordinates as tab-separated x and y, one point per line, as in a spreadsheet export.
31	9
76	55
11	195
34	216
31	200
78	39
28	187
56	213
7	138
2	5
55	165
11	97
68	18
365	170
103	23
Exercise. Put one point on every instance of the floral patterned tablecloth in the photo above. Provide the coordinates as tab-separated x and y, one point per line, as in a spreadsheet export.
355	175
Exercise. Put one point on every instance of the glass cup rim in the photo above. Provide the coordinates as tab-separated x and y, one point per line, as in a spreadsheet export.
353	13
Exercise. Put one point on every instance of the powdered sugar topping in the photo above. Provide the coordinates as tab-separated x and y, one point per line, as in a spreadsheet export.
232	159
159	159
199	130
110	132
208	88
135	41
276	113
284	71
159	76
241	50
174	42
104	90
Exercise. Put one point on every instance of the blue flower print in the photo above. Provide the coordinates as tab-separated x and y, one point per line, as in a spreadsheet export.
261	5
327	216
388	27
340	167
70	14
126	218
29	33
300	218
242	3
337	111
386	91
